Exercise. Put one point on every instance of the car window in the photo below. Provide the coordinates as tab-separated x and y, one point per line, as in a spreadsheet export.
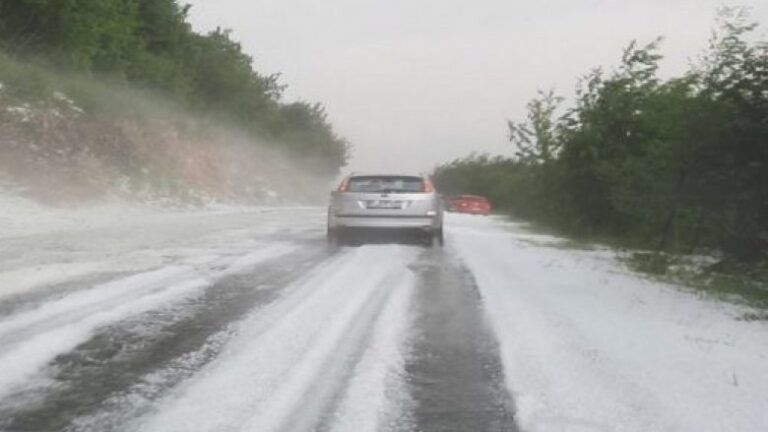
389	184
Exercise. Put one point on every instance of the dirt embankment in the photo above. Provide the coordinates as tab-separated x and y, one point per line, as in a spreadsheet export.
55	151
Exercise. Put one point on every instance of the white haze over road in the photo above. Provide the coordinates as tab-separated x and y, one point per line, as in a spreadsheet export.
415	83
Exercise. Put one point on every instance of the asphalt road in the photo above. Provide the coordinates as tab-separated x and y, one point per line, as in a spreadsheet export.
237	327
245	320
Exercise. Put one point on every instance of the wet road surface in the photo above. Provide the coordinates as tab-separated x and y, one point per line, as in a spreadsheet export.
302	337
455	375
247	321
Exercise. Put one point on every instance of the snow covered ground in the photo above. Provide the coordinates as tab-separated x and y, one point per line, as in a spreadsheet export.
42	246
280	323
589	346
117	318
293	354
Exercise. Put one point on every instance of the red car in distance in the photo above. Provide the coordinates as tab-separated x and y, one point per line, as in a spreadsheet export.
471	204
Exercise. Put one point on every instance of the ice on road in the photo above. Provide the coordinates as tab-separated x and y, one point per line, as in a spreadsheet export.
245	320
32	339
295	353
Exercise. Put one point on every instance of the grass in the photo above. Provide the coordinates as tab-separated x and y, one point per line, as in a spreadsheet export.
23	81
36	83
743	284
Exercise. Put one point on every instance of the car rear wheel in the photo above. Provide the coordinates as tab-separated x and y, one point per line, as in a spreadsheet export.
333	236
436	238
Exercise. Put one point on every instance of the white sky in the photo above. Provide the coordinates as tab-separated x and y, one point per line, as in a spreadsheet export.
412	83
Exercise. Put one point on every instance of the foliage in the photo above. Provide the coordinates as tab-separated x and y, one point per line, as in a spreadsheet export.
675	165
149	43
537	140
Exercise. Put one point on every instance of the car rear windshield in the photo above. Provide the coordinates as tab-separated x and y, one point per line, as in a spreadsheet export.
386	184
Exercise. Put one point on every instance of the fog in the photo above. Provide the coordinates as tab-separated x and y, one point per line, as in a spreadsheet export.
412	84
86	141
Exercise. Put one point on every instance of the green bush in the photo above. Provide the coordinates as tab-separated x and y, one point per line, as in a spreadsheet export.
674	165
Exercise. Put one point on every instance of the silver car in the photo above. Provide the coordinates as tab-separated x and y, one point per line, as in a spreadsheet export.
386	203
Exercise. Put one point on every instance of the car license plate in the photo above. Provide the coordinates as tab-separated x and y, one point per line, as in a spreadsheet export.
385	205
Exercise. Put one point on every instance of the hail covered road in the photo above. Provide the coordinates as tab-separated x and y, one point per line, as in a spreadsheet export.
247	321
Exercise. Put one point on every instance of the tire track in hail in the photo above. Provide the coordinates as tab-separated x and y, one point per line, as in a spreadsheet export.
455	374
138	359
292	370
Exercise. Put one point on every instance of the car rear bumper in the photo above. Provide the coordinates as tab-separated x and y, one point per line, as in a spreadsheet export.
474	211
385	222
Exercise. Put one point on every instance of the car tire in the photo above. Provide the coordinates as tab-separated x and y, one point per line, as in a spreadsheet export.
436	239
333	237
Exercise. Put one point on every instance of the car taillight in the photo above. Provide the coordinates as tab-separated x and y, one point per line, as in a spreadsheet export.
344	186
428	187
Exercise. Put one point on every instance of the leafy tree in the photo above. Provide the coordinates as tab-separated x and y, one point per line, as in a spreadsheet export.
733	79
678	164
537	139
150	43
